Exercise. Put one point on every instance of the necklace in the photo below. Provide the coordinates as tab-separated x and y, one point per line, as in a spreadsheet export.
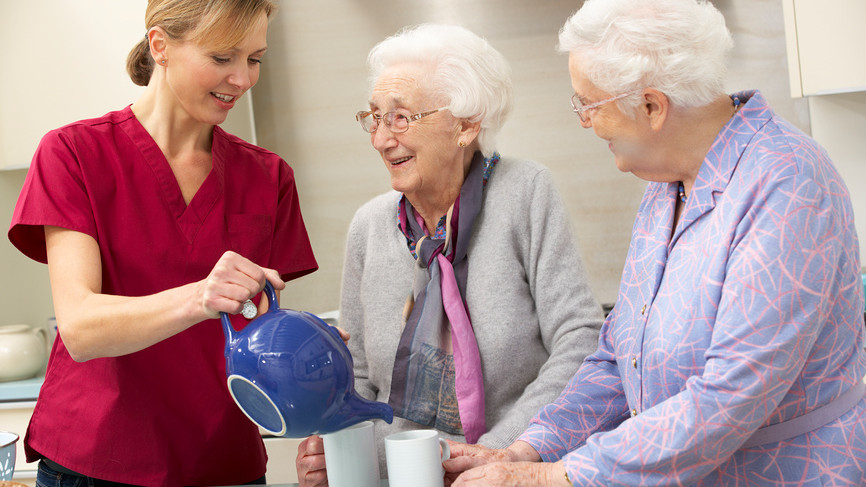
682	191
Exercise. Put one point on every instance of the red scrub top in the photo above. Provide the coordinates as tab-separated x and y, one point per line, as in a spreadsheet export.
163	415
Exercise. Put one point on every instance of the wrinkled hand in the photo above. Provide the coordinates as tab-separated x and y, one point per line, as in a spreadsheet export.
465	457
310	463
233	280
514	474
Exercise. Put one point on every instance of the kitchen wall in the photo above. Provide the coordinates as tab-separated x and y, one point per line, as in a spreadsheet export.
314	80
63	60
25	296
839	124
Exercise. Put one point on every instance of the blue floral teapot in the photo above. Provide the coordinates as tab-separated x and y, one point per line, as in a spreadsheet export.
292	375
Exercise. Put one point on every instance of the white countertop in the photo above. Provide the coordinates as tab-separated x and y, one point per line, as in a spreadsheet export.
20	390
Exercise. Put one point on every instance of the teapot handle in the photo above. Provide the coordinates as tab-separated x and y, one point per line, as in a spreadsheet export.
43	334
272	296
229	330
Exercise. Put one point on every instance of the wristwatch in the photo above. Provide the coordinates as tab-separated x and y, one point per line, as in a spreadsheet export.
249	311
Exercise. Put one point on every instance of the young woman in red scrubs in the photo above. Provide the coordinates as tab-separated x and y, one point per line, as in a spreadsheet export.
152	221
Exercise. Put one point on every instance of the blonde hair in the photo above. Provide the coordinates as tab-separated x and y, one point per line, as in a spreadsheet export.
219	24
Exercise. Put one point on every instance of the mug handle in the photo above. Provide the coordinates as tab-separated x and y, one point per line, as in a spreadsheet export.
446	450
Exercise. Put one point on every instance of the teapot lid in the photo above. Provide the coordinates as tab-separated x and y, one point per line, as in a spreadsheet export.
15	328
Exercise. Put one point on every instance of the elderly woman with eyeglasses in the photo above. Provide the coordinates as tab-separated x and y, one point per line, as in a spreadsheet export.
463	289
734	353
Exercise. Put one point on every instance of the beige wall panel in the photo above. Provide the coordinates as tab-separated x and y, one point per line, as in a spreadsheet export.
315	80
838	123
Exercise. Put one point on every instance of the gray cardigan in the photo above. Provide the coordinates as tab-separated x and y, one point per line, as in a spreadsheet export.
534	316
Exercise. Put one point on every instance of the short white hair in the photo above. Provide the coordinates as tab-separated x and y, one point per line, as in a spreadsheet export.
678	47
468	74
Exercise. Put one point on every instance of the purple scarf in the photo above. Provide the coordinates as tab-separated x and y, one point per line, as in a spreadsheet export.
438	321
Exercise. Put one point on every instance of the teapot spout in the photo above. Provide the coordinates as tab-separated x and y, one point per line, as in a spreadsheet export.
358	409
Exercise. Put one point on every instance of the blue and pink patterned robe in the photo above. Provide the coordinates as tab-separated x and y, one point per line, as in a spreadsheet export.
751	314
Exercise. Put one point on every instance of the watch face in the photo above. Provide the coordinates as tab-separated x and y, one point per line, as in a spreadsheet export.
249	310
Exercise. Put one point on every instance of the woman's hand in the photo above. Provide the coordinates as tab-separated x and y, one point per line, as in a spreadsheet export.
522	474
465	457
310	463
232	281
95	325
343	334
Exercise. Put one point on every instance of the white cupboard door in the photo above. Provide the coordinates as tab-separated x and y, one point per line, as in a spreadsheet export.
825	42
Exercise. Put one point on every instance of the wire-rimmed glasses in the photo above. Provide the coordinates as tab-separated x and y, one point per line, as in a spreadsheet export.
582	110
396	122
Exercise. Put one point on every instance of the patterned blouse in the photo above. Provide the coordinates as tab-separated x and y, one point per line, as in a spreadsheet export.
749	315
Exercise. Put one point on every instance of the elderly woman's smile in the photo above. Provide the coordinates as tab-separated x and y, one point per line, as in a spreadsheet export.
400	161
419	142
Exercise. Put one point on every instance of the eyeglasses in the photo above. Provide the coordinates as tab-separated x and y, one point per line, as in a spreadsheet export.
396	122
582	110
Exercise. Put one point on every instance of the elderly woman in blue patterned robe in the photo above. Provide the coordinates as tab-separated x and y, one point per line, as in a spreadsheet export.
734	354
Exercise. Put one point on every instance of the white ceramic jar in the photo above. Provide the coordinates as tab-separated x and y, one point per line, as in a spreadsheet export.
22	352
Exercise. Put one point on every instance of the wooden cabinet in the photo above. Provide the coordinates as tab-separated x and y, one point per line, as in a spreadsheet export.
825	46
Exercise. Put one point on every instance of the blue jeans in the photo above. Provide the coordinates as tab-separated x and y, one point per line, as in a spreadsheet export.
48	477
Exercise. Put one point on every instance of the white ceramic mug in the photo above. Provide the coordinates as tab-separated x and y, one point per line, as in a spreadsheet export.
7	454
415	458
350	456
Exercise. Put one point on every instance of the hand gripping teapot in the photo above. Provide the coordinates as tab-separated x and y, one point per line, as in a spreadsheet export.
292	375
